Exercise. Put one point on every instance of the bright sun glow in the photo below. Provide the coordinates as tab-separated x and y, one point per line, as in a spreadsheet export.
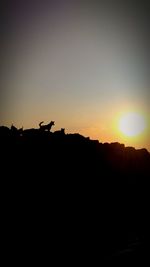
132	124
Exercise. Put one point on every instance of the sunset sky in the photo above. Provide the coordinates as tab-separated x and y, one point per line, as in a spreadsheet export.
80	63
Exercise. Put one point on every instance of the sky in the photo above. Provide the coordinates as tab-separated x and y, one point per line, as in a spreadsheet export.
79	63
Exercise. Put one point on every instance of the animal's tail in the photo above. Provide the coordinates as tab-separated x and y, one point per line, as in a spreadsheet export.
40	123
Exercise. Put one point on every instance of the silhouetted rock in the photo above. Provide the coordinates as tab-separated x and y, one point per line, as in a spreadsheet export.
4	131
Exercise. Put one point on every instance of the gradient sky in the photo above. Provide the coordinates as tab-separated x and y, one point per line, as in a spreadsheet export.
80	63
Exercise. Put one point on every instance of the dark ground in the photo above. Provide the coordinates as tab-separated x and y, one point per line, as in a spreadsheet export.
73	200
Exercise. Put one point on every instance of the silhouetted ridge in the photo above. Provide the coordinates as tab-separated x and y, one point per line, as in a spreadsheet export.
95	193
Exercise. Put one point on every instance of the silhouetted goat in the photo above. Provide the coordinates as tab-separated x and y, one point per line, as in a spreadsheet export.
46	127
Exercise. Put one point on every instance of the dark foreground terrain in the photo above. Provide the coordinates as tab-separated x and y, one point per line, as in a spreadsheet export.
70	199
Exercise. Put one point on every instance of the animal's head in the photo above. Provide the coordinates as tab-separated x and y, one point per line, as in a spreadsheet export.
13	128
52	123
21	129
62	130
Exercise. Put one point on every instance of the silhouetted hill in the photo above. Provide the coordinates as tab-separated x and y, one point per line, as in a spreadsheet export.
90	198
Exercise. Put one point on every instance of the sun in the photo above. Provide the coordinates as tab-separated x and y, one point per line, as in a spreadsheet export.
132	124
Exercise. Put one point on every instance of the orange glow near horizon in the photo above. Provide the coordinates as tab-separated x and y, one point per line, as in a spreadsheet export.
108	129
104	129
132	124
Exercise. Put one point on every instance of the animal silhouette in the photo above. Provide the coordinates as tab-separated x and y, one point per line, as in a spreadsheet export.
60	132
20	131
13	128
46	127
